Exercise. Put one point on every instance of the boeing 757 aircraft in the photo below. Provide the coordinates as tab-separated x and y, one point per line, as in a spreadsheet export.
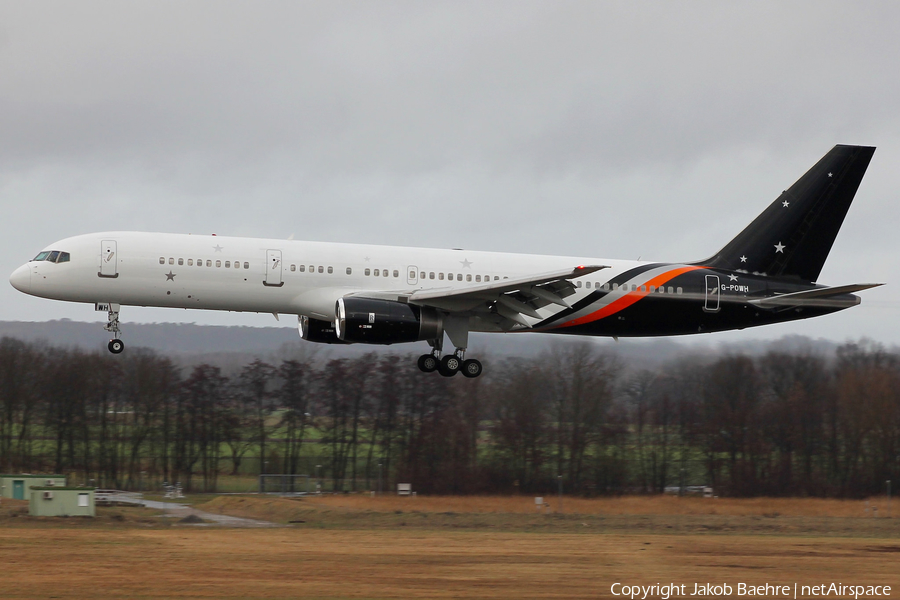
351	293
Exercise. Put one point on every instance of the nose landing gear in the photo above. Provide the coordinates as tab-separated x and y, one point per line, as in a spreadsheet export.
116	346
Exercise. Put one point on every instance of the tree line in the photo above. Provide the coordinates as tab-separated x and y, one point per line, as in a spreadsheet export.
781	423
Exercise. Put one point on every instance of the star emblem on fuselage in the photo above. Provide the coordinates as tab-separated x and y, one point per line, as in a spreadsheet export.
170	276
217	248
732	277
779	247
466	264
743	259
785	204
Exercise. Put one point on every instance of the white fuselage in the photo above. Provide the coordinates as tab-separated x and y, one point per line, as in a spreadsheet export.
266	275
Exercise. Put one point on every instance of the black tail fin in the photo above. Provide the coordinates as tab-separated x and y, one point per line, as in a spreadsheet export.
793	236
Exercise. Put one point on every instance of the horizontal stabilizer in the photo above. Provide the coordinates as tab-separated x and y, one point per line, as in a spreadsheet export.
826	296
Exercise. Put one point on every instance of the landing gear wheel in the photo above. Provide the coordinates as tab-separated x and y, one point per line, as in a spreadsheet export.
449	365
428	363
471	368
116	346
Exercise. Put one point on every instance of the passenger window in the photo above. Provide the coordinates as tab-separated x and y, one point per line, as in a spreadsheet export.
577	284
496	277
469	277
431	275
237	265
190	262
180	261
228	265
312	269
321	269
384	273
670	290
587	284
678	291
330	270
349	271
368	272
208	263
422	275
478	279
633	287
162	260
396	273
459	276
441	276
218	263
246	265
652	288
377	272
171	261
302	268
63	257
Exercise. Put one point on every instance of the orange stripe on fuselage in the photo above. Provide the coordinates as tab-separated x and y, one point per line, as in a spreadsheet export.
630	298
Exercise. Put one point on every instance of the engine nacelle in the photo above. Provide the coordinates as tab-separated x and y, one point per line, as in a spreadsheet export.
315	330
368	321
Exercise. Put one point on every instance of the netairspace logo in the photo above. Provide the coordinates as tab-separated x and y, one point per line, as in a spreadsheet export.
670	590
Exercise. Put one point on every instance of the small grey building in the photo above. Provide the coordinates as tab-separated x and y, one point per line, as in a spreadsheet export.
52	501
16	487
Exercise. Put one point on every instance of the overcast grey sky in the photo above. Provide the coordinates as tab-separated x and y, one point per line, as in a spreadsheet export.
605	129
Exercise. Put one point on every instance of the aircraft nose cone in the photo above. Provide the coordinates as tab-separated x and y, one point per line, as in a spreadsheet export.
21	279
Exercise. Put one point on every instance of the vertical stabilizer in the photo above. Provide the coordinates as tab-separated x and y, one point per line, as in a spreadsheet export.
793	236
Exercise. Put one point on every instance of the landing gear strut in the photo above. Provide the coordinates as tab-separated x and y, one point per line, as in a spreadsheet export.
115	345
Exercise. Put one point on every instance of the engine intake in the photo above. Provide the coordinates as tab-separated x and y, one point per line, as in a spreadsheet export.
370	321
316	330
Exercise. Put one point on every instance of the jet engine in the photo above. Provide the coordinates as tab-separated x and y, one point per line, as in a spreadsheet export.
315	330
368	321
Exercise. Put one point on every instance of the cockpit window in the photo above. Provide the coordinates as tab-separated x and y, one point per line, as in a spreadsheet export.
54	256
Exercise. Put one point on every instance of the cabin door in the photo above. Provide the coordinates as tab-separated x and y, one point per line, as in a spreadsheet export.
711	304
108	259
412	275
273	269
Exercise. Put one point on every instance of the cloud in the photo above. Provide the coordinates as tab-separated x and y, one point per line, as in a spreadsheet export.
579	128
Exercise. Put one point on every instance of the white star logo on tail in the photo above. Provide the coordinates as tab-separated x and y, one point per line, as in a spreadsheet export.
779	248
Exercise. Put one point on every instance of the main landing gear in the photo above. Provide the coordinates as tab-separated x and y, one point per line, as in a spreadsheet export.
115	345
450	364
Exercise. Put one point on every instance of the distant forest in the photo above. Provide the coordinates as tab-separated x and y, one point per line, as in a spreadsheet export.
774	424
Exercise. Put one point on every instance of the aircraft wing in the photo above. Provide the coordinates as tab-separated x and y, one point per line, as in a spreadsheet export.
508	299
828	296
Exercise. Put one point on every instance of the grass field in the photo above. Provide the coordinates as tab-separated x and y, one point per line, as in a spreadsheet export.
389	547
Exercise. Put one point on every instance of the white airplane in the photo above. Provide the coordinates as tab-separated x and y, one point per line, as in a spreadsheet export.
350	293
